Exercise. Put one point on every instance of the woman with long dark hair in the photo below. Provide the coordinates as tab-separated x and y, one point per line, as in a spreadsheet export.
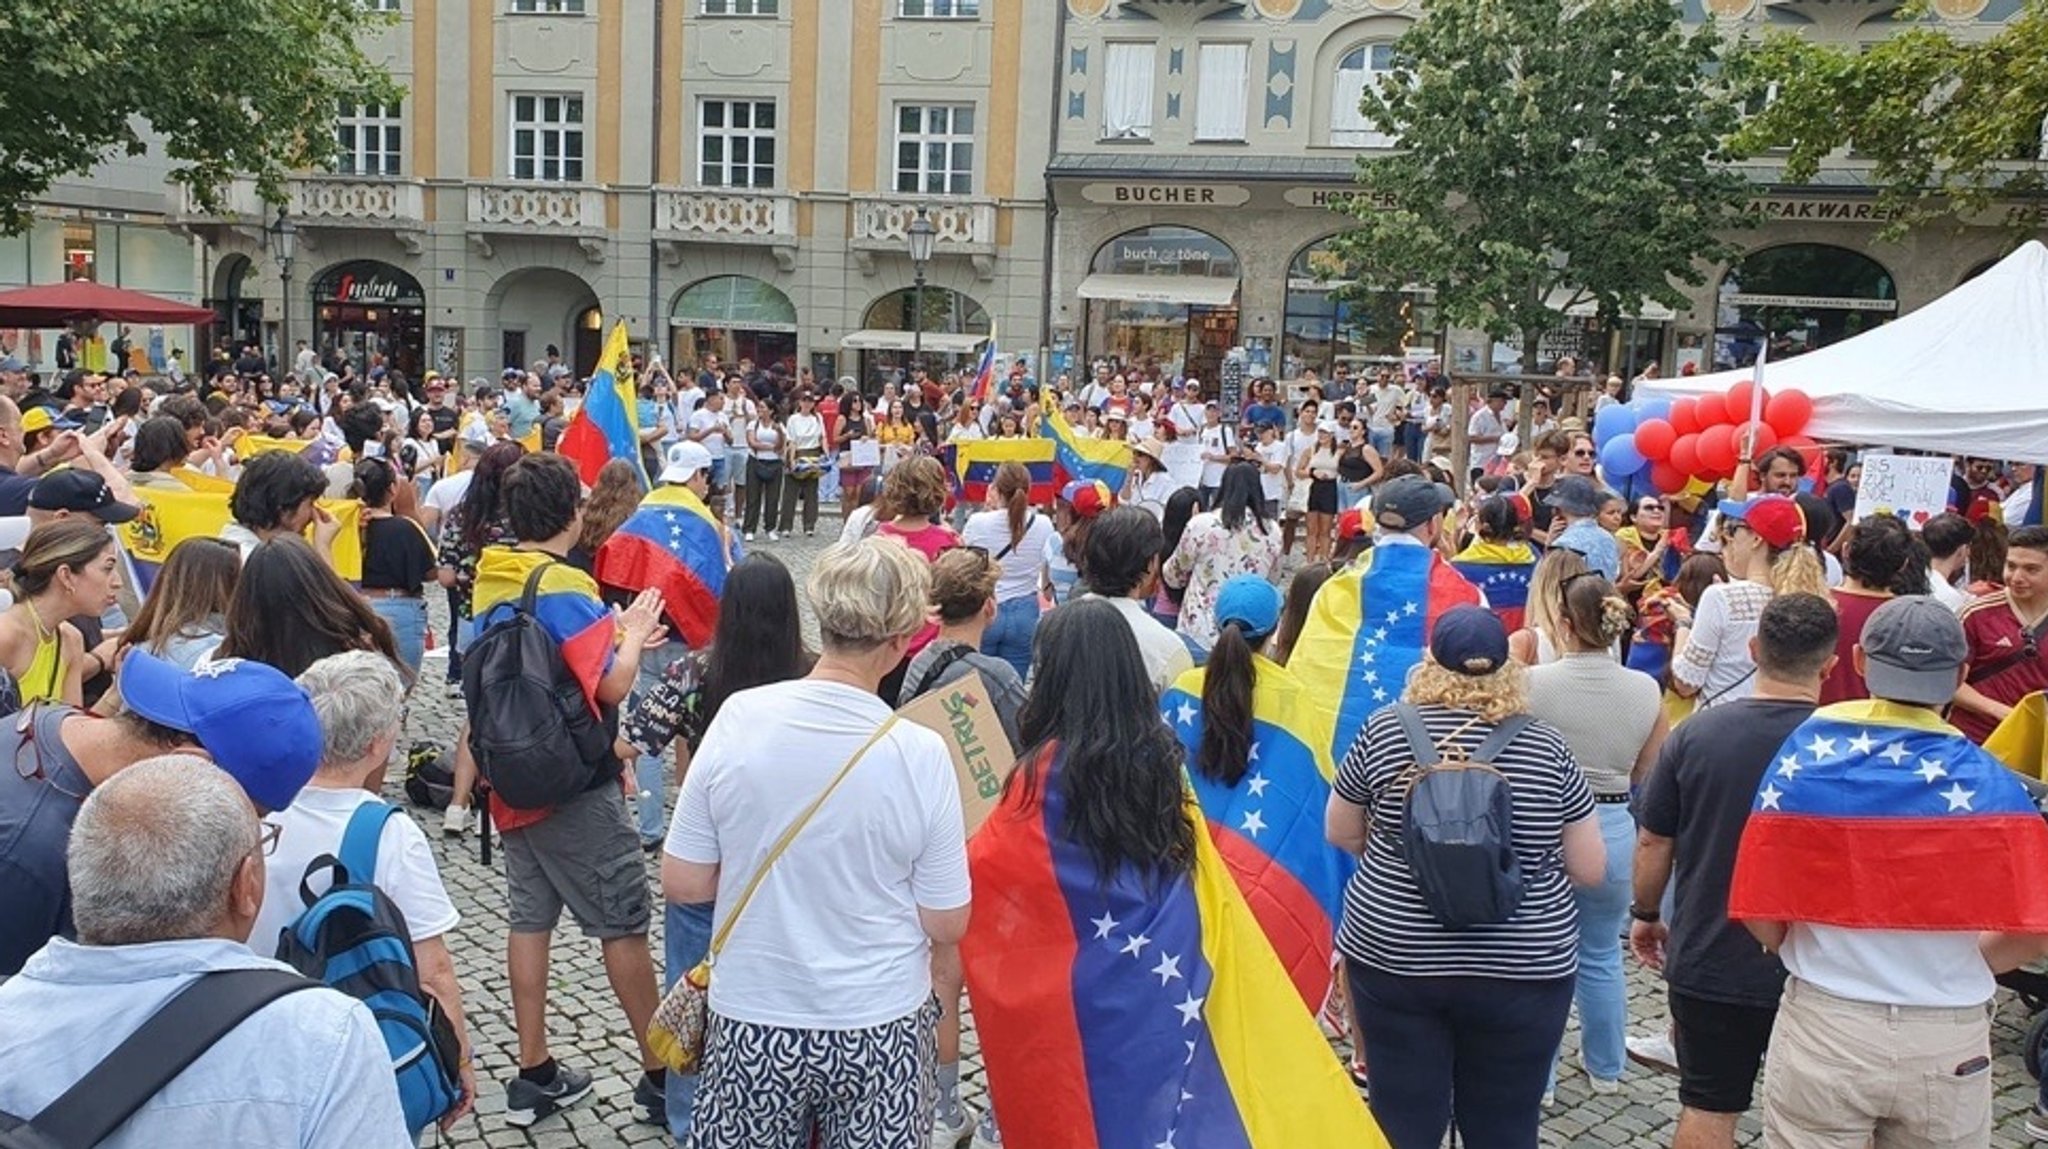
478	521
1180	511
1014	535
1238	537
397	559
291	610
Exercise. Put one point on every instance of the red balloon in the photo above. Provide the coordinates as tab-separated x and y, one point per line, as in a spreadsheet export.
1740	397
1717	449
1807	448
1654	438
1685	454
1667	478
1712	410
1765	438
1788	413
1685	416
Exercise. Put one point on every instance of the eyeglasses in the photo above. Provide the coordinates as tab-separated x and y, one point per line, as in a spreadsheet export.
266	838
28	763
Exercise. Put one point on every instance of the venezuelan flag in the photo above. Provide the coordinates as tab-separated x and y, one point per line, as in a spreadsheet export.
1501	571
249	446
2021	740
1080	457
1878	815
607	424
169	517
985	372
1269	827
1122	1011
565	603
674	545
1369	626
972	467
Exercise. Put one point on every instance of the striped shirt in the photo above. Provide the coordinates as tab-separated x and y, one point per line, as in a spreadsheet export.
1388	927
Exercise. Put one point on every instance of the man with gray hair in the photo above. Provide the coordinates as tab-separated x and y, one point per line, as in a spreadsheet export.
167	873
359	697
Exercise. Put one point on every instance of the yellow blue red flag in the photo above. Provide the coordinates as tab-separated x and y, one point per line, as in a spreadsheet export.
1080	457
971	466
170	516
607	424
674	545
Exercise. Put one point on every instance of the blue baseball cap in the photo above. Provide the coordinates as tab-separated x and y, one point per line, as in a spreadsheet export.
254	723
1251	602
1469	640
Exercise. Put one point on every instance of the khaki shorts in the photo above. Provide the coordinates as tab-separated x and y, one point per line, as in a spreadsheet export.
585	856
1845	1074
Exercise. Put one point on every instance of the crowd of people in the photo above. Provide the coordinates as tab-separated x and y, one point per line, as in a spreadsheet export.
1647	679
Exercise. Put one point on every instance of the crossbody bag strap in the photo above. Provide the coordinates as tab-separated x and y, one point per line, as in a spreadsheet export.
2010	659
940	664
1030	520
789	835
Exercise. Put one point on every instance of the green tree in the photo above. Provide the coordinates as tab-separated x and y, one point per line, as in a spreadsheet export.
1552	153
226	88
1950	120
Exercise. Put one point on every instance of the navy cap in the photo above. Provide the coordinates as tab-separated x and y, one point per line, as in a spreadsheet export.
1251	602
1469	640
80	492
254	723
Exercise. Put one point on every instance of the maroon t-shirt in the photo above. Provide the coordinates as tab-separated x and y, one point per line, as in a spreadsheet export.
1996	636
1852	609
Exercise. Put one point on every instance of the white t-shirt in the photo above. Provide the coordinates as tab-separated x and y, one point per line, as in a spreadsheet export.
1215	440
1273	484
689	399
1945	592
445	495
831	939
1716	656
1166	656
990	530
1890	967
717	428
313	825
806	432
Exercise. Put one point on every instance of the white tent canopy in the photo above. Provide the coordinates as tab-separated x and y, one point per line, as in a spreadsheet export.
1965	375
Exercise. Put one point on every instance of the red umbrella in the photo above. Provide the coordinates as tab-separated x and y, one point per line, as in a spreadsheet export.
83	301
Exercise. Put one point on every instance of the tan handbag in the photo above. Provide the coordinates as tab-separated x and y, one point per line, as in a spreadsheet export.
676	1033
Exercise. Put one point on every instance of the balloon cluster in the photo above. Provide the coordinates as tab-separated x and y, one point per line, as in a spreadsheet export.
1666	445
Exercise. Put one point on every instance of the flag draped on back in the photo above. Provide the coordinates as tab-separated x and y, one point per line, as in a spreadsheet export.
1369	626
1125	1011
674	545
171	516
607	424
985	373
1077	456
1501	571
565	603
1881	816
1269	827
971	466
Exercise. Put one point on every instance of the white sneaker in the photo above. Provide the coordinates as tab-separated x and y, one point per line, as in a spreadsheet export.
773	537
948	1134
750	536
455	822
1655	1053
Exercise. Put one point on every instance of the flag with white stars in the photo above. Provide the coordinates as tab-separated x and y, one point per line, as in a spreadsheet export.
1134	1011
1369	626
1269	825
1876	815
1501	571
672	543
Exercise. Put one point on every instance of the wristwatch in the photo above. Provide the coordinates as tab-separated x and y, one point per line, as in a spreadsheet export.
1640	914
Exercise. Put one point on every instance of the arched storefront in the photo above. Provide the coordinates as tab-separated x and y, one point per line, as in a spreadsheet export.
1800	296
538	309
734	317
1162	294
237	308
364	309
953	327
1324	327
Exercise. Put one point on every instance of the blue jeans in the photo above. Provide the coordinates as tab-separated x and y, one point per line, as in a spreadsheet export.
647	769
686	938
408	619
1467	1049
1602	992
1009	636
1382	441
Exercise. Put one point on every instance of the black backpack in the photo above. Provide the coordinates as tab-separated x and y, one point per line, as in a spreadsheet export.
535	739
1458	826
429	776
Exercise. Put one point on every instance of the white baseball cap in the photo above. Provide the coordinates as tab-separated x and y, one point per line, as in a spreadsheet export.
684	461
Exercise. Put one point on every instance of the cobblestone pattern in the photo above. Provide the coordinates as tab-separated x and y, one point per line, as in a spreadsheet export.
586	1027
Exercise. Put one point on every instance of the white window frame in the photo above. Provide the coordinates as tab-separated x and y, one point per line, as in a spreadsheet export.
548	7
382	123
954	181
938	9
562	128
743	8
753	135
1129	70
1349	126
378	5
1217	121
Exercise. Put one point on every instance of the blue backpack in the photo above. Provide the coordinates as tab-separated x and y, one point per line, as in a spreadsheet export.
353	939
1458	826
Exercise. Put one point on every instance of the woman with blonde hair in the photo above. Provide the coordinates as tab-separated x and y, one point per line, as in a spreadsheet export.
1764	544
1536	643
1014	534
67	568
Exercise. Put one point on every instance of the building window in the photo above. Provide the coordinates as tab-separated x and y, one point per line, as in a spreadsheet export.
736	143
1221	94
741	7
562	7
368	141
940	9
1127	91
378	5
935	149
547	138
1363	70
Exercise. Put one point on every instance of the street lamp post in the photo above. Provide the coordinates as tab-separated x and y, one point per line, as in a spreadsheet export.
922	233
284	240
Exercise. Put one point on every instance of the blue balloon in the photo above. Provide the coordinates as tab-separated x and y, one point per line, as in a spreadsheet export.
1613	421
1651	408
1620	459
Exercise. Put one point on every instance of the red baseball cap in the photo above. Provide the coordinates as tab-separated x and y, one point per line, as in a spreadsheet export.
1776	519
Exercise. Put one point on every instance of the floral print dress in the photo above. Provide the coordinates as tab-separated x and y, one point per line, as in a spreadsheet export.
1209	555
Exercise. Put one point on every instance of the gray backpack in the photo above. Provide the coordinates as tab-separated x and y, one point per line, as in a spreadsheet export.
1457	826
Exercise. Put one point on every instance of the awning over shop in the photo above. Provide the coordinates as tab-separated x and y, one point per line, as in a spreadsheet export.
1199	290
734	301
879	339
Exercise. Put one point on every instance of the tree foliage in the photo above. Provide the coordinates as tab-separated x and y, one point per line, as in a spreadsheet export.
1553	153
1949	122
226	88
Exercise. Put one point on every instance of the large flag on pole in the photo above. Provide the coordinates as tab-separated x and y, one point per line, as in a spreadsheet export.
985	373
1076	456
607	424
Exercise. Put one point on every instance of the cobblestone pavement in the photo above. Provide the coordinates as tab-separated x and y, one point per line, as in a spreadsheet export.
587	1029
